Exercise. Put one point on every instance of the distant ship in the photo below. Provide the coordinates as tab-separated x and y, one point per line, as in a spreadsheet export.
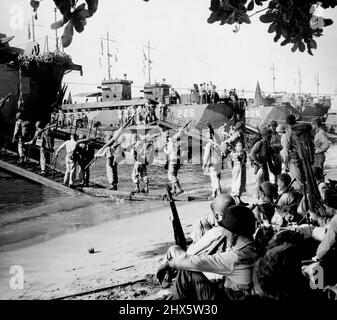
279	105
274	107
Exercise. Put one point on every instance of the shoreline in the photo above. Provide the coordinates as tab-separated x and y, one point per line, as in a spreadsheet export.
126	250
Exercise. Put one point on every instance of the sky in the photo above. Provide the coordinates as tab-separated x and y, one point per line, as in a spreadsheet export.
186	49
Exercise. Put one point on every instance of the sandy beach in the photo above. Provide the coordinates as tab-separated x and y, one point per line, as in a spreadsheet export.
125	250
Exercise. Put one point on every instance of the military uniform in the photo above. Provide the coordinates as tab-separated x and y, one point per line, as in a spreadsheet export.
212	162
321	145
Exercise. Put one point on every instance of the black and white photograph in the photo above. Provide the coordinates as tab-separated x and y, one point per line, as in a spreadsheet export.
180	150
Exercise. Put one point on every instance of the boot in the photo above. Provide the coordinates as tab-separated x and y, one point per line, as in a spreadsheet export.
146	189
173	189
178	188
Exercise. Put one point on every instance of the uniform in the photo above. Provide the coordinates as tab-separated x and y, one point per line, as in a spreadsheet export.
276	146
18	133
46	148
260	155
292	160
173	151
212	162
321	145
70	174
85	153
143	155
112	155
239	160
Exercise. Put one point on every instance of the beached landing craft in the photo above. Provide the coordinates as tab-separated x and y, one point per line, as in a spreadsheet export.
116	97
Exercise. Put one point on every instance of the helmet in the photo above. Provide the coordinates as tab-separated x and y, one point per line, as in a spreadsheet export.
239	220
265	132
221	202
268	189
272	123
318	172
291	119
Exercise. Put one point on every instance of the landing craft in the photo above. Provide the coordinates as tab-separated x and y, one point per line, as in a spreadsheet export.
116	97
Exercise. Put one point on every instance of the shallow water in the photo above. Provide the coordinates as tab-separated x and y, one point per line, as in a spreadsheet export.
30	213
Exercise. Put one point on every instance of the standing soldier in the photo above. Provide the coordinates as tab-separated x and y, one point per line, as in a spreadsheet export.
321	143
113	155
44	139
293	163
260	155
143	155
85	153
19	134
173	151
276	146
212	163
238	159
70	174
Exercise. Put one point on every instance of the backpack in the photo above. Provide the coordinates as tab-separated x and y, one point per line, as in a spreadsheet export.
278	271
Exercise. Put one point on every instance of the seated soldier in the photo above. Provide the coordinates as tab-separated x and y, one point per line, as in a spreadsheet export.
264	208
235	264
204	224
286	206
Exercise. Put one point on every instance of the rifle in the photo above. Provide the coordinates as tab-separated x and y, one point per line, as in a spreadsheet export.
179	236
111	141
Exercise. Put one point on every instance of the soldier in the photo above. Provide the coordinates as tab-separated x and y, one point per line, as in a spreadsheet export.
173	150
70	174
260	155
113	155
85	153
292	160
212	164
321	143
44	139
276	146
19	134
143	155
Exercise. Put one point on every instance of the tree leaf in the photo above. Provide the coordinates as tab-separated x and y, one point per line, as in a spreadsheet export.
277	37
250	6
313	44
271	28
92	6
301	46
213	17
58	24
295	46
68	33
285	41
267	17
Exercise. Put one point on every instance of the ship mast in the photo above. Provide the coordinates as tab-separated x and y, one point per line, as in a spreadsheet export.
274	78
56	36
317	83
299	81
108	40
149	61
